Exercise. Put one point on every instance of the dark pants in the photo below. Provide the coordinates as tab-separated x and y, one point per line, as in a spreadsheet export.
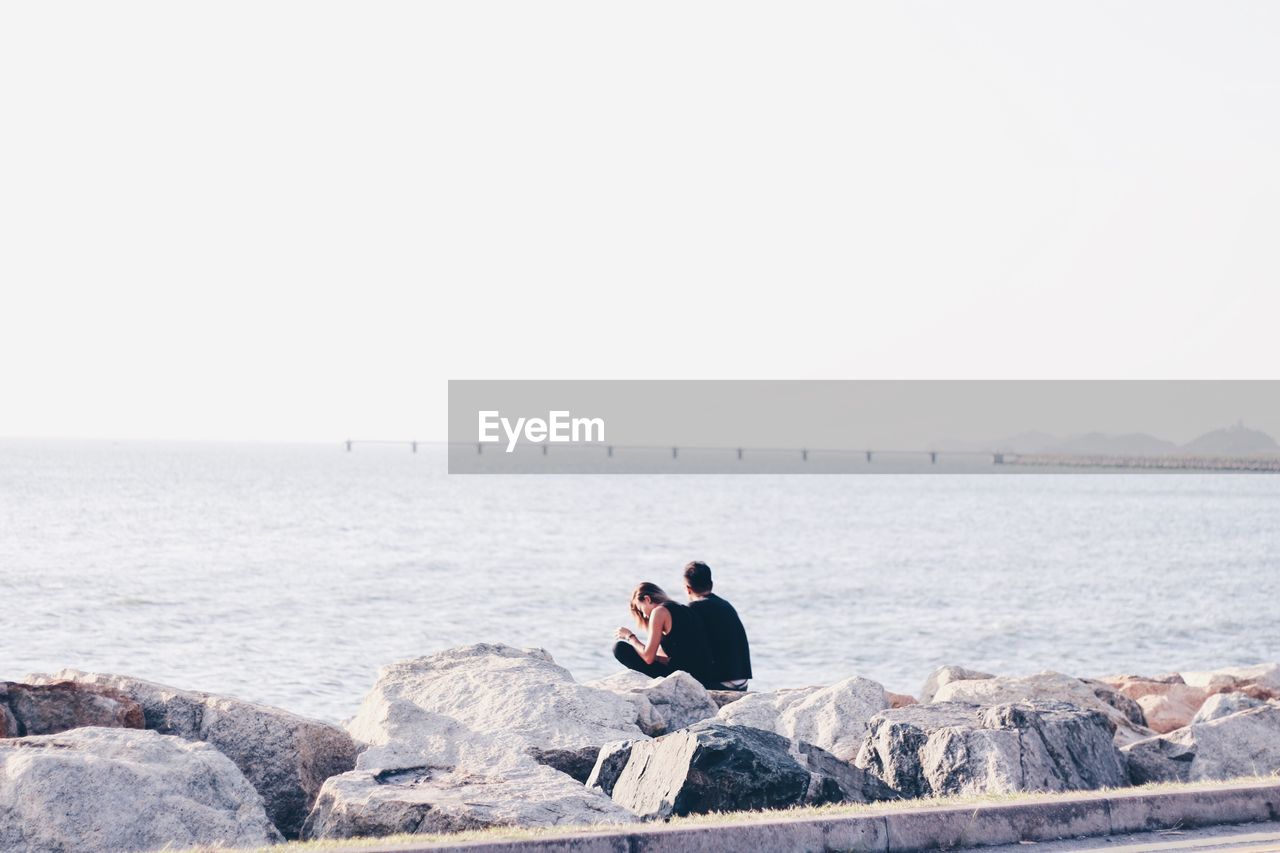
626	654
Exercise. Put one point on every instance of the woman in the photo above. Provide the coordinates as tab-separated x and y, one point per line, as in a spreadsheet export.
677	639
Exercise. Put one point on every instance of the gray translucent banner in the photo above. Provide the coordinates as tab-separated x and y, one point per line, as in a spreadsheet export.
861	426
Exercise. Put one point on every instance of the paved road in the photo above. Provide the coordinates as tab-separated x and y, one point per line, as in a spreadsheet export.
1242	838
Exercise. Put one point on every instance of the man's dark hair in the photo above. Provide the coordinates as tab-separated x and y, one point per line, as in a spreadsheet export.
698	576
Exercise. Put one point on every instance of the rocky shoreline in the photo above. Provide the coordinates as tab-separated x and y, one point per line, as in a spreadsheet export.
490	735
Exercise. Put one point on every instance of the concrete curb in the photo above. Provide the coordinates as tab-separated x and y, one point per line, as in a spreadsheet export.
903	830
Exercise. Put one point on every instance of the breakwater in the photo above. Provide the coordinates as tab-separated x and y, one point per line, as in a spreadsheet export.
489	735
1260	464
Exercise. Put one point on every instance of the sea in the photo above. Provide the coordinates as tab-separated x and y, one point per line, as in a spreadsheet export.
289	573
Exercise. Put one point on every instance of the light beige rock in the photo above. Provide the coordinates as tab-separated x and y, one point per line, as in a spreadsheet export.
1051	687
833	718
946	748
503	691
945	675
1261	681
662	704
425	772
284	756
1221	705
115	789
1241	744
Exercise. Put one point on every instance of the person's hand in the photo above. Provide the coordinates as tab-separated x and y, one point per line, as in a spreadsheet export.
624	634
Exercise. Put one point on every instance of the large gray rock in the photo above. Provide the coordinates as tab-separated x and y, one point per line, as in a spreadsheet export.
833	718
957	748
1052	687
945	675
662	704
610	763
715	767
429	799
46	709
427	773
1221	705
1242	744
500	690
112	789
284	756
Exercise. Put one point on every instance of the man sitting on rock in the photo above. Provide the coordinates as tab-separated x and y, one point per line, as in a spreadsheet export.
728	639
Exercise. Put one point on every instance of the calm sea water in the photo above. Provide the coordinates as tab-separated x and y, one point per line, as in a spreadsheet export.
289	574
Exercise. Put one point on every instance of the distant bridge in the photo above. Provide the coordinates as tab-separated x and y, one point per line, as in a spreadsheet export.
997	457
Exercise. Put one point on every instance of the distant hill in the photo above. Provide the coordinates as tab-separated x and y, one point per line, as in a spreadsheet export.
1087	444
1236	440
1107	444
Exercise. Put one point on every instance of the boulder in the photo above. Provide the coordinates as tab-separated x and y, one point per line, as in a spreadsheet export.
1167	702
678	701
1127	707
500	690
1259	682
900	700
609	765
716	767
46	709
432	800
1242	744
945	675
662	704
1052	687
958	748
284	756
622	682
428	773
726	697
1221	705
833	718
124	789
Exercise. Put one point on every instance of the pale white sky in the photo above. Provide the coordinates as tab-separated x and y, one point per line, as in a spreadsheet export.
296	220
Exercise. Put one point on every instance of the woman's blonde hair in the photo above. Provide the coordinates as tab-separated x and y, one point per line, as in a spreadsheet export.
654	593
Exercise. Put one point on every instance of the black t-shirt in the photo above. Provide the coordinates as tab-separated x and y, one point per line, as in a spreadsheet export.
727	637
686	644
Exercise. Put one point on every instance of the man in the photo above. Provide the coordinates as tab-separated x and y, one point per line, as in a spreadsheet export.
724	629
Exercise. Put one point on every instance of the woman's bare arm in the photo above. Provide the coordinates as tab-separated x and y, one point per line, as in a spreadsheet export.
659	624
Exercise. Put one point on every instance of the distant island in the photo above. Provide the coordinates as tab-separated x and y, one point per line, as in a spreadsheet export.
1236	440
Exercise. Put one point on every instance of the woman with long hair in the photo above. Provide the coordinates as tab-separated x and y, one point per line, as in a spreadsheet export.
677	639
